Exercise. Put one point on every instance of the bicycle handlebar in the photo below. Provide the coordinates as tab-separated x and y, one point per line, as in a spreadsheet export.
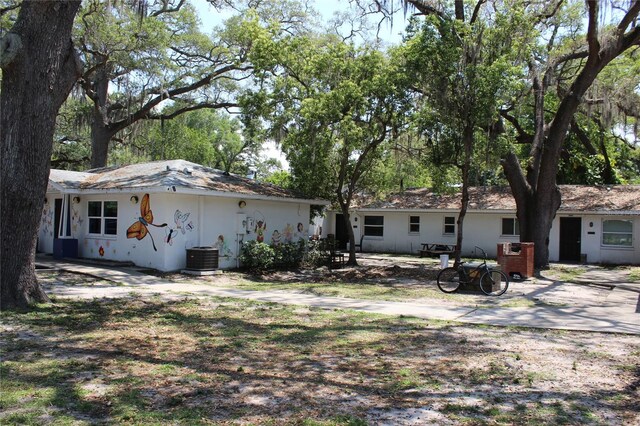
484	253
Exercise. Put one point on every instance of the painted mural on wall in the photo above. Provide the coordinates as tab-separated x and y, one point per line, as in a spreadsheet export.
180	220
287	233
276	238
76	221
140	229
46	221
181	224
169	235
261	227
223	247
98	246
301	233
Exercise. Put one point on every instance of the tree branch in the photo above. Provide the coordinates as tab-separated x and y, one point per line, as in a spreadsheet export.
166	8
583	138
476	11
203	105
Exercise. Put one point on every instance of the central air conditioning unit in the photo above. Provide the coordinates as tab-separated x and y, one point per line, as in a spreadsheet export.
202	261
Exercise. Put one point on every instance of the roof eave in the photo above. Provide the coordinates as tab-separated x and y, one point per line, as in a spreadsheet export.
193	191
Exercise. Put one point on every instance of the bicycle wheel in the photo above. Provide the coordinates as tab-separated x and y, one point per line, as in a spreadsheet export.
448	280
494	283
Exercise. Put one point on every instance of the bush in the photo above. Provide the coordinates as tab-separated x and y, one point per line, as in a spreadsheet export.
289	255
314	255
257	257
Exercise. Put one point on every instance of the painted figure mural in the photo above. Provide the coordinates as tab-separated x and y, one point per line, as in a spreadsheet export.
287	233
301	234
261	226
223	247
275	238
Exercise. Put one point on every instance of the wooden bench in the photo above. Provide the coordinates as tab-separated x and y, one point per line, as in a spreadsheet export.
436	249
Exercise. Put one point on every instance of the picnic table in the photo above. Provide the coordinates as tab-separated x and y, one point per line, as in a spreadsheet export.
436	249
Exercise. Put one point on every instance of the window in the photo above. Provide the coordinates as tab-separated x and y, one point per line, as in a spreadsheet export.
449	225
374	226
617	233
103	217
414	224
510	226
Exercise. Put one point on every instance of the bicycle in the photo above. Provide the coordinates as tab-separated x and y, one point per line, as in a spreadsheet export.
492	281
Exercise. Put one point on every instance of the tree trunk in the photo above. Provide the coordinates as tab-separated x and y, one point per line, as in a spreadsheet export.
39	67
100	138
467	138
101	132
352	241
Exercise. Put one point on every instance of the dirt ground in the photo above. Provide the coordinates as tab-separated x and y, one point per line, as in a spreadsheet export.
220	361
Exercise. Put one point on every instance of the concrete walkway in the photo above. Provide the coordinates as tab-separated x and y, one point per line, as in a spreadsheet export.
619	315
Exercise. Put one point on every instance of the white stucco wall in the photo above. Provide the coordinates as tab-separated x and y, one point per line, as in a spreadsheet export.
591	240
191	221
484	229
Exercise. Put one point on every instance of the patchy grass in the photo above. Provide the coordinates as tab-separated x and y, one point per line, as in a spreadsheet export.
377	291
224	361
634	275
566	273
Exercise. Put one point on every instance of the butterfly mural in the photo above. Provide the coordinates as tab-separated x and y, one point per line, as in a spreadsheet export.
140	229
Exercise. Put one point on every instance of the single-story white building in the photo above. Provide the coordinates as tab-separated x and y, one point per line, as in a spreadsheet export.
597	224
151	213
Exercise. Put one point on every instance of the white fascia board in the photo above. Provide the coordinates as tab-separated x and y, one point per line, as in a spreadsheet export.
203	192
598	213
504	211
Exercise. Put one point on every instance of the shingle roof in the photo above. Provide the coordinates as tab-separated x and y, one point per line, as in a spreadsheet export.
168	174
623	198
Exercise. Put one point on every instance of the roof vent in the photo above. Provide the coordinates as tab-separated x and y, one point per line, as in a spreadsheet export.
168	168
186	171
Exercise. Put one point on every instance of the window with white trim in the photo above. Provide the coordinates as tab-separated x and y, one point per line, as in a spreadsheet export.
103	217
374	226
414	224
510	226
617	233
449	225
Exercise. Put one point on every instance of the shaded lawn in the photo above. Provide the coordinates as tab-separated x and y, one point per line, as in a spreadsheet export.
223	361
